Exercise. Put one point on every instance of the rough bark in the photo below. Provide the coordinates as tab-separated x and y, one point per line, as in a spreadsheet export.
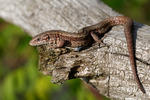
106	68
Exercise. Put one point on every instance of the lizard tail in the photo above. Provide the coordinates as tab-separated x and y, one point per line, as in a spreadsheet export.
127	23
130	45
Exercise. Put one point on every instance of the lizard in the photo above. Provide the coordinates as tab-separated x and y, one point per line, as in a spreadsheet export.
86	36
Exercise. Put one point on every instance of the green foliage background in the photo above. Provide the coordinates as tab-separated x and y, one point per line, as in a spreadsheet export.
136	9
19	77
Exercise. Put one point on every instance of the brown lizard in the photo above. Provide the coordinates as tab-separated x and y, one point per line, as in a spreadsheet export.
85	37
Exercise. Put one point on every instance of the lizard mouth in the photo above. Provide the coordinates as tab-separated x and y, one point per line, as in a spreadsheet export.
36	43
31	43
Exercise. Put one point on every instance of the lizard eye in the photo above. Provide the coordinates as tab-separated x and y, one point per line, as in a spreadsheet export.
38	39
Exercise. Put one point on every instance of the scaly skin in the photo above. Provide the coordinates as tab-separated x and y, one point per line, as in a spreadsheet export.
58	38
85	36
127	23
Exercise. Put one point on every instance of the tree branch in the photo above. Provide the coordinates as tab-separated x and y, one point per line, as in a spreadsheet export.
106	68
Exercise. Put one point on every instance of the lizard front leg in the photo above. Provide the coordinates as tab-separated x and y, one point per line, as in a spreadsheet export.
56	43
60	43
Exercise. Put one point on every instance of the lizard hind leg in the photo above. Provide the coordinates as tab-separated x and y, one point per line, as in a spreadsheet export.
96	38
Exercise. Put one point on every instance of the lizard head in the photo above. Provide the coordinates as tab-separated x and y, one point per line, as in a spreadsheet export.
40	39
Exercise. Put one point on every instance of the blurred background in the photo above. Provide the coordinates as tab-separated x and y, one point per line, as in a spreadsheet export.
136	9
19	77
